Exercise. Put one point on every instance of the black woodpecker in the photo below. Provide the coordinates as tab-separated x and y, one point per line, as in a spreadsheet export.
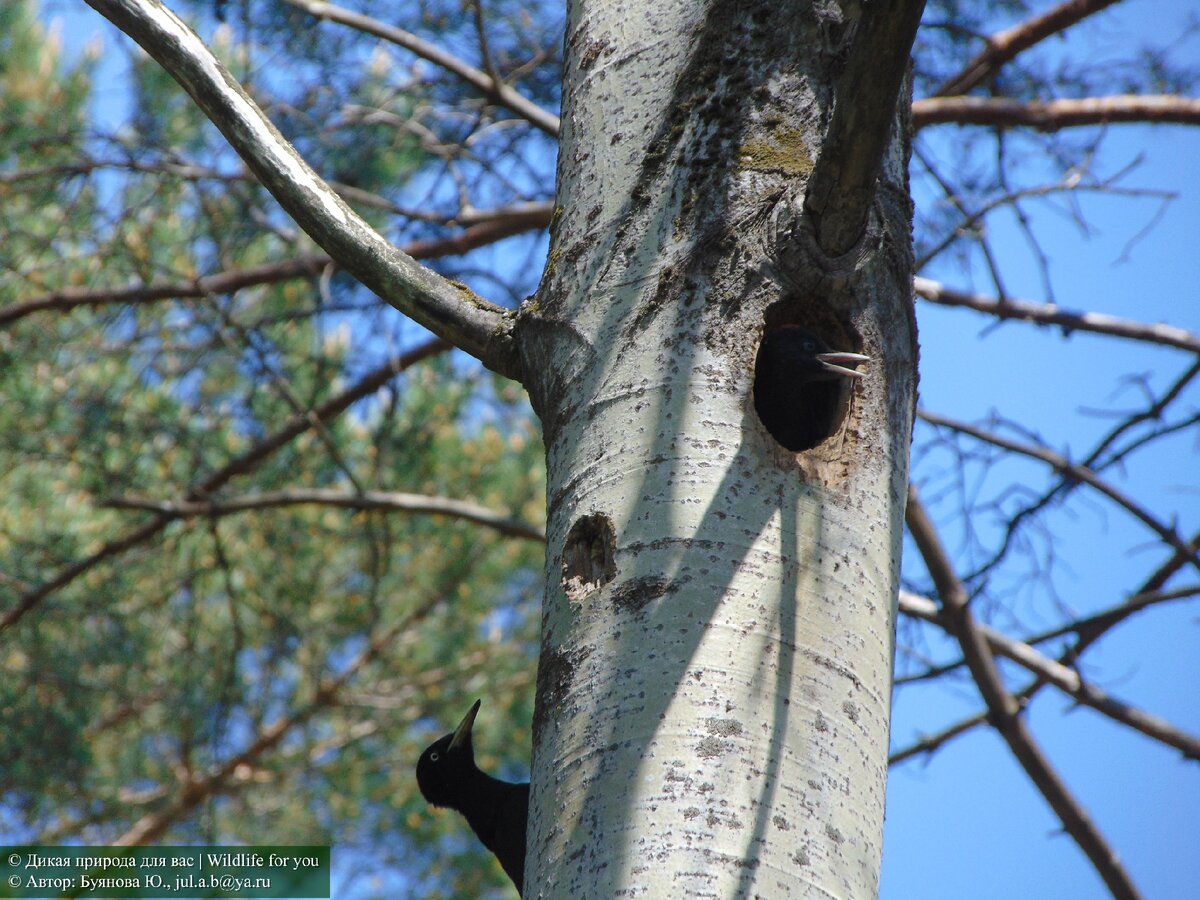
497	811
797	385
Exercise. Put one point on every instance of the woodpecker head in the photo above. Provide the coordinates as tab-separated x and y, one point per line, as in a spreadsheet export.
807	354
448	763
798	385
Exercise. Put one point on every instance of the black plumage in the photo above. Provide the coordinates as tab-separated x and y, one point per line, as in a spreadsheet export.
497	811
798	383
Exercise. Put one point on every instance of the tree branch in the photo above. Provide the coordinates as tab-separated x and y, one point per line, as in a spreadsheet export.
446	308
1089	630
1064	678
1087	624
492	88
1073	471
382	500
490	226
309	266
1049	314
929	743
1051	115
193	792
1003	708
1005	45
842	187
349	193
239	465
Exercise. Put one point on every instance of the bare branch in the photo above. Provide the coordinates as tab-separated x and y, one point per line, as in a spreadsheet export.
1049	314
490	226
1052	115
929	743
1092	630
1089	630
493	89
88	166
380	500
485	50
349	193
221	283
1005	45
446	308
1086	625
1104	455
239	465
842	186
1064	678
1118	613
195	791
1073	471
1003	708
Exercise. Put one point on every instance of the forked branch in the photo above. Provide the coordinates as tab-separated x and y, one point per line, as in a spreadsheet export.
1004	710
446	308
1005	45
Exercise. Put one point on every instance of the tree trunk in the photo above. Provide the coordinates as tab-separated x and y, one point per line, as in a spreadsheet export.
715	671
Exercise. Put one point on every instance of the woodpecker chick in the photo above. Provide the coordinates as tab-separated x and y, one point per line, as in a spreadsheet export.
497	811
798	385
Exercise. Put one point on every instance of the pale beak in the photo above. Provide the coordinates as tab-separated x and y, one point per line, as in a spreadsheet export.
836	363
462	733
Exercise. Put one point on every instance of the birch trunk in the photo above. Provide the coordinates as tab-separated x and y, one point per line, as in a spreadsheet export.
715	671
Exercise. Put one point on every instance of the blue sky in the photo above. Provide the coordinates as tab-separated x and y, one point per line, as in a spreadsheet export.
967	823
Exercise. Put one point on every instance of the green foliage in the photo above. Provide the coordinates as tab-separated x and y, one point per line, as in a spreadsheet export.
357	635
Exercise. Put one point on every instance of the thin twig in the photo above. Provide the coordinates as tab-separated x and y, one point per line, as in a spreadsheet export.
1065	679
1003	708
445	307
1089	630
367	500
239	465
308	266
1073	471
1005	45
1067	320
1092	630
489	227
497	91
927	744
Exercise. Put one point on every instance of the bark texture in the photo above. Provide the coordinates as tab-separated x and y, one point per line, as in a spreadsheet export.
715	671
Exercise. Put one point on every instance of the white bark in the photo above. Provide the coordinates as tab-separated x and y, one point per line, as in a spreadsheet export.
714	685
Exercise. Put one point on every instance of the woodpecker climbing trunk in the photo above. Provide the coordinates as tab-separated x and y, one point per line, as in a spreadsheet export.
715	670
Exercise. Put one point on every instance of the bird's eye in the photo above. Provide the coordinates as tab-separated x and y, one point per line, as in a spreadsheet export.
810	346
433	757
